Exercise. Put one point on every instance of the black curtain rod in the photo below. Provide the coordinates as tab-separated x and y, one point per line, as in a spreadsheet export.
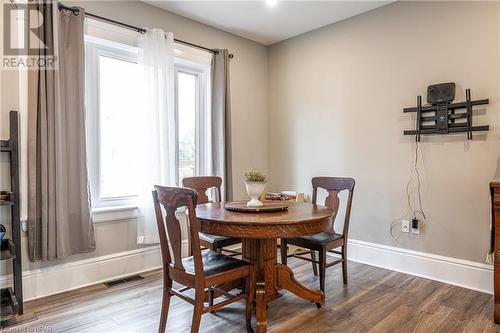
76	11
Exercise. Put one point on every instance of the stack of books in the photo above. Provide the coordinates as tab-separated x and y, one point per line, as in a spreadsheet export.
284	196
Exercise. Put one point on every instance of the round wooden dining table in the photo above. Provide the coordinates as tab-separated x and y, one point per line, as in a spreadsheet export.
259	233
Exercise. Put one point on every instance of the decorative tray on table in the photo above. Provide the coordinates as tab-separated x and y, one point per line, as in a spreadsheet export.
269	206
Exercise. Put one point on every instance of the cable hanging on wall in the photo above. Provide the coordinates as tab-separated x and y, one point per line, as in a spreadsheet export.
411	211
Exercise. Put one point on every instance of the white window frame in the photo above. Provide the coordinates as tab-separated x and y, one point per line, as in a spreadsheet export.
112	41
95	48
202	115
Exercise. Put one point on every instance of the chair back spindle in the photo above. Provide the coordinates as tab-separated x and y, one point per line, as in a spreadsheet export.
171	198
334	185
201	184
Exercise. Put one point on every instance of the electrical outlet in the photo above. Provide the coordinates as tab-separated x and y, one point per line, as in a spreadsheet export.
415	227
405	226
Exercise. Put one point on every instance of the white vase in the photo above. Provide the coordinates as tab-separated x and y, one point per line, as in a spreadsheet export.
254	190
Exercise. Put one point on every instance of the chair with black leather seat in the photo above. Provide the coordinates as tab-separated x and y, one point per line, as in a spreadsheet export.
201	184
201	271
327	241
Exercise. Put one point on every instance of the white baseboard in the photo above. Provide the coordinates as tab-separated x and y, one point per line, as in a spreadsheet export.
73	275
463	273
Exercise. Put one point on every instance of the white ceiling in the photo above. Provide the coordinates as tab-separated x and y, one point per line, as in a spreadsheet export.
258	21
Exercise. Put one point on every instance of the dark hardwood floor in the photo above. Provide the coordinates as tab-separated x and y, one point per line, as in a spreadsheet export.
376	300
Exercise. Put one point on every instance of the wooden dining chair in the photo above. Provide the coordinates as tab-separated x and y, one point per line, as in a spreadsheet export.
327	241
201	184
202	272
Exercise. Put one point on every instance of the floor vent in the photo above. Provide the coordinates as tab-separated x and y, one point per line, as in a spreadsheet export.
113	283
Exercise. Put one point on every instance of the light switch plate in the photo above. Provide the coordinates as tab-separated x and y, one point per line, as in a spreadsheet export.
405	226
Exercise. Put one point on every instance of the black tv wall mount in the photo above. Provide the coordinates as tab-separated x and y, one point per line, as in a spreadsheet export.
441	116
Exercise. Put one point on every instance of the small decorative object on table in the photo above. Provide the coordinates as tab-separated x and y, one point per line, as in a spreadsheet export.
255	182
285	196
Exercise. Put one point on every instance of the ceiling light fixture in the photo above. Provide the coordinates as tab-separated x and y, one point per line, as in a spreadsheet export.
271	3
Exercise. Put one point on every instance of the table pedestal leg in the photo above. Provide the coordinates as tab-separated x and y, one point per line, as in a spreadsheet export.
287	281
260	307
272	277
262	253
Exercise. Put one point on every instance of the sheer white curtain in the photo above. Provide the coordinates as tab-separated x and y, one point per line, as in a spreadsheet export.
158	126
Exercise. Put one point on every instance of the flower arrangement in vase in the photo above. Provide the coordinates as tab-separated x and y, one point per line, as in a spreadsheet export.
255	182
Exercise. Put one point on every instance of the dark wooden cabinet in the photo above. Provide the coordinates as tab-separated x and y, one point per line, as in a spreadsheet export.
495	207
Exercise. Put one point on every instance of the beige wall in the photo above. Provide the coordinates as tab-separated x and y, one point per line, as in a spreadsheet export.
248	100
336	100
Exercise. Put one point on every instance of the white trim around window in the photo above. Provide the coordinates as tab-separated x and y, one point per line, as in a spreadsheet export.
102	39
202	122
95	48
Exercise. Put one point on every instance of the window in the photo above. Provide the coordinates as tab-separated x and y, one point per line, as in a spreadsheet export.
190	87
114	99
186	110
114	96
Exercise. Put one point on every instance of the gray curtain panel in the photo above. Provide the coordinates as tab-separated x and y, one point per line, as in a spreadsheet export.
221	122
59	218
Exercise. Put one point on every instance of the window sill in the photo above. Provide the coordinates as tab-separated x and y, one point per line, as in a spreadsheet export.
116	213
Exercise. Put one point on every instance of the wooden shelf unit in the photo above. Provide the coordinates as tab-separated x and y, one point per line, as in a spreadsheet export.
10	248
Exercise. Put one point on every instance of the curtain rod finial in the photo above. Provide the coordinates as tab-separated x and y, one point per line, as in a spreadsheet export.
231	56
